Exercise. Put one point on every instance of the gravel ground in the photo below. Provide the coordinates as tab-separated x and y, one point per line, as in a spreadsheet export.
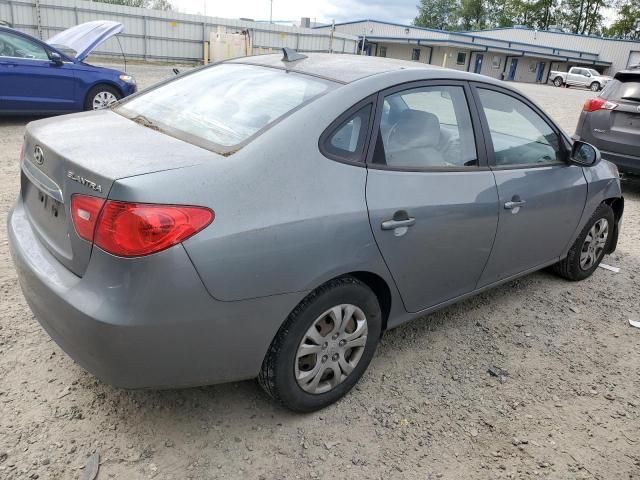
426	409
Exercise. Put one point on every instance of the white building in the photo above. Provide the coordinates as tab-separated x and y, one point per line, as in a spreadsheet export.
517	53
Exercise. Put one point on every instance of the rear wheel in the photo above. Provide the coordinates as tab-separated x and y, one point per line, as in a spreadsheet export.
587	251
101	96
595	86
324	346
557	81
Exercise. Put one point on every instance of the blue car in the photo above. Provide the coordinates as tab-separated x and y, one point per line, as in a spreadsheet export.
51	77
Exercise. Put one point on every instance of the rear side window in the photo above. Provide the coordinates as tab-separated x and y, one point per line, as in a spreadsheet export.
346	141
226	104
622	90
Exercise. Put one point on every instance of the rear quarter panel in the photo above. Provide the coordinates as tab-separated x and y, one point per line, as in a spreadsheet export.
287	218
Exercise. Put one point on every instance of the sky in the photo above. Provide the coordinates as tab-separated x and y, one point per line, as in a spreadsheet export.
400	11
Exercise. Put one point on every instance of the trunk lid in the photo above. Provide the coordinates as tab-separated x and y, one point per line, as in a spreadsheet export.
84	38
85	154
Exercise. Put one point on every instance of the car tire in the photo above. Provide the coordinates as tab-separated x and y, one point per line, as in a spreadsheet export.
286	370
558	81
101	96
594	87
573	267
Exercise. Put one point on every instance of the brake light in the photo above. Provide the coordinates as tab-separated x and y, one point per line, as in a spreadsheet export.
598	103
84	212
137	229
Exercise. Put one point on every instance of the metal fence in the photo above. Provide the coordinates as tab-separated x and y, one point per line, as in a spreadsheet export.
158	35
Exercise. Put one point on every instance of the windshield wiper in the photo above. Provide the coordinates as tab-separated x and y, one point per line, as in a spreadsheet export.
145	122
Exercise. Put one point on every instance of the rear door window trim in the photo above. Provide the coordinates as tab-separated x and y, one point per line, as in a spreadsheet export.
481	152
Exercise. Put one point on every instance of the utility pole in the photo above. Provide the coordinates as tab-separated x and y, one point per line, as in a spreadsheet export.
270	11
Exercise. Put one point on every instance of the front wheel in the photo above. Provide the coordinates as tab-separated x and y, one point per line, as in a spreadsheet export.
587	251
558	82
595	86
101	96
324	346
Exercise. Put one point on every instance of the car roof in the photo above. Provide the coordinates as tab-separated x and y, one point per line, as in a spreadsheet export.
626	75
347	68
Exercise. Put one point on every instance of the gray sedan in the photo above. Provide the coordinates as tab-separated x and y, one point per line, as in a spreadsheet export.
272	216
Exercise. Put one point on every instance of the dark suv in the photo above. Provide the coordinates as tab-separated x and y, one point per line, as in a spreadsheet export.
611	121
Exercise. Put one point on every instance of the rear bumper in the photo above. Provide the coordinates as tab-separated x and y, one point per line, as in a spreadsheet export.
625	163
146	322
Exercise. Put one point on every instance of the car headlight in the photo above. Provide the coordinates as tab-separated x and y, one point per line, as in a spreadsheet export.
128	79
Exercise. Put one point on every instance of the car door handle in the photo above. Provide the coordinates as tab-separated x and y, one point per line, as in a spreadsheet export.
514	204
393	224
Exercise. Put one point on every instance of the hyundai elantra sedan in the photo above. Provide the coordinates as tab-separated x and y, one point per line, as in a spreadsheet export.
273	216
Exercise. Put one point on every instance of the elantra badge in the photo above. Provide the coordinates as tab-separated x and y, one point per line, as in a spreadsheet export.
84	181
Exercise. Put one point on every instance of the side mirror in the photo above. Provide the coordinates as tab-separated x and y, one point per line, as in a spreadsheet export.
56	59
584	154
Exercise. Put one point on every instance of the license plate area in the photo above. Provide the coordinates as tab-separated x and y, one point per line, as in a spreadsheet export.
628	122
48	216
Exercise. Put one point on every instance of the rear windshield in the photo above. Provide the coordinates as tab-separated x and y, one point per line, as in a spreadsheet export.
224	105
622	90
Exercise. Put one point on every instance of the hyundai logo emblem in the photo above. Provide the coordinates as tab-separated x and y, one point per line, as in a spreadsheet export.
38	155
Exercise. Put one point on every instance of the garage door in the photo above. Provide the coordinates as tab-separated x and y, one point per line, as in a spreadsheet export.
634	58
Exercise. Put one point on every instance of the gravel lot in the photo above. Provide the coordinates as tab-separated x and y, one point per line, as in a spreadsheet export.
426	409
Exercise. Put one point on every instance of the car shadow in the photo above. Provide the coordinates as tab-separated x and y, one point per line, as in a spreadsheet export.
631	186
19	120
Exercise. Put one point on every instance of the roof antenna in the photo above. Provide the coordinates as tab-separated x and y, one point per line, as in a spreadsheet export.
290	55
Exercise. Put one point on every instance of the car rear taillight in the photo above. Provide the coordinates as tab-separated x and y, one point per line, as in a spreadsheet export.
598	103
84	212
137	229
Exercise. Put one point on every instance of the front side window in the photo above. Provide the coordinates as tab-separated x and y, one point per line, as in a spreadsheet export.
15	46
426	127
346	142
224	104
519	135
461	59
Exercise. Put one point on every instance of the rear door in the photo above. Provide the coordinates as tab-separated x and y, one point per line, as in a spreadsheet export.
541	196
432	201
29	81
618	130
578	76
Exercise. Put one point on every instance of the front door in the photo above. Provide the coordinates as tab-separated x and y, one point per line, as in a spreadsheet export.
540	74
433	208
478	66
29	81
512	69
541	196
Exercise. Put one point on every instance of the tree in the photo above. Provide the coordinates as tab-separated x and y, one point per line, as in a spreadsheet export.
627	21
472	14
440	14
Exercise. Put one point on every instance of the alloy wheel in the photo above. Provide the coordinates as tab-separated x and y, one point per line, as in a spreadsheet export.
594	244
103	100
331	348
594	87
